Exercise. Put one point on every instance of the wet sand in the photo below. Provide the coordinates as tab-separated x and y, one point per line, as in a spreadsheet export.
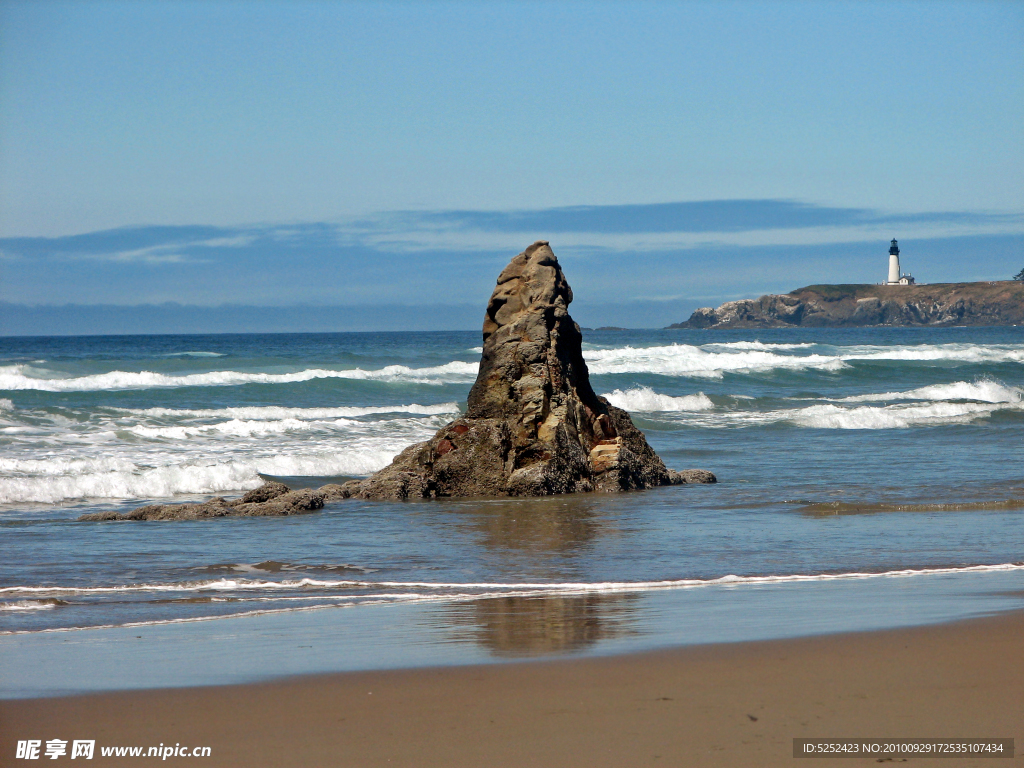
722	705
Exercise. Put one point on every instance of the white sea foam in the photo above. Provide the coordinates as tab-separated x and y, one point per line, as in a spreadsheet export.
985	391
143	455
691	361
715	359
420	591
29	605
757	345
711	360
21	377
152	453
889	417
279	412
645	399
834	416
363	461
828	416
137	482
553	587
954	353
240	428
63	465
62	452
194	354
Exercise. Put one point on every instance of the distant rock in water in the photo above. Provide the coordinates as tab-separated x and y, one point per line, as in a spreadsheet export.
534	425
942	304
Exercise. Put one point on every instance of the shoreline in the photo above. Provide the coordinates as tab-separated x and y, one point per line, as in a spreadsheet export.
723	704
489	630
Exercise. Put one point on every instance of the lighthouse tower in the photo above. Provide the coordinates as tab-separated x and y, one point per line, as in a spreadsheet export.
895	278
894	264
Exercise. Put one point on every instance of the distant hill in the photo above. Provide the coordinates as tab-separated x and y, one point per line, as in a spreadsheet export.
941	304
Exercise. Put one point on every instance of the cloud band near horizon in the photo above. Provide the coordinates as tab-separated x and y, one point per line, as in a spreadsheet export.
696	253
718	222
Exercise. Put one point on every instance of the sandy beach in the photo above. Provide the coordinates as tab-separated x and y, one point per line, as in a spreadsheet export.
720	705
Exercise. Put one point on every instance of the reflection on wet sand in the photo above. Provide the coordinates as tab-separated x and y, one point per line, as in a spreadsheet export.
525	533
533	626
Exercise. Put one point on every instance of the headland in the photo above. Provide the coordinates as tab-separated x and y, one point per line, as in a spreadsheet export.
857	305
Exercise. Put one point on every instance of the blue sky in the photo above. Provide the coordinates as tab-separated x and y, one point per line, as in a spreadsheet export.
675	154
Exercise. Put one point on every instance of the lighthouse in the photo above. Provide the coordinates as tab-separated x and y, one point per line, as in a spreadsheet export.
895	278
894	264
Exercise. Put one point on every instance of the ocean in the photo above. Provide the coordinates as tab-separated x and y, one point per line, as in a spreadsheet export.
867	478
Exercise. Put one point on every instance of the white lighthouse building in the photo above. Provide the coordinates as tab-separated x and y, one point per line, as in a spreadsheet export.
895	278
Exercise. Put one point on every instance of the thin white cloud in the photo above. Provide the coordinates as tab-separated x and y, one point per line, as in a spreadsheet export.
476	240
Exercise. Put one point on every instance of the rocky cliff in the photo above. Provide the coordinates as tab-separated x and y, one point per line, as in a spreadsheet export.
995	303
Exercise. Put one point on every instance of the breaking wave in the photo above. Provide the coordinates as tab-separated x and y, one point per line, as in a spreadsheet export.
53	484
23	377
716	359
645	399
759	345
47	604
160	452
555	587
280	412
889	417
985	391
349	592
711	360
687	360
193	354
958	403
952	353
133	483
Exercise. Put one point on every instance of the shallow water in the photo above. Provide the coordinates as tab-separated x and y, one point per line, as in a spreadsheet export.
839	452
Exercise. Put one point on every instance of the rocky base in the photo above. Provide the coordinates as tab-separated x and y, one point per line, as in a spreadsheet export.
278	500
476	457
269	500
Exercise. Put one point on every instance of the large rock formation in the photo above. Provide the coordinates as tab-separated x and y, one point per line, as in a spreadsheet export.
992	303
534	425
